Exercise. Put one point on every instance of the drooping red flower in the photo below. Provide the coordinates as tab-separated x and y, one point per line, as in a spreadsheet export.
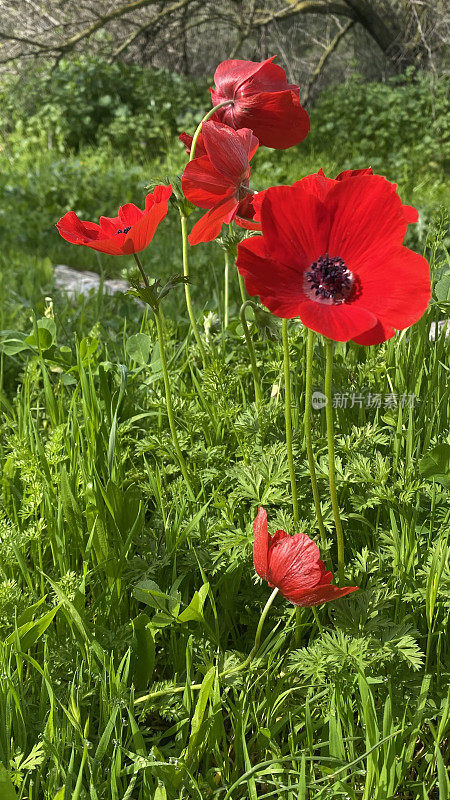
293	565
130	232
263	101
331	254
219	180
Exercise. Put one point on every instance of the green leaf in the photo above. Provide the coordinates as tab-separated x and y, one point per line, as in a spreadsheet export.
194	611
436	464
442	289
6	788
138	348
46	330
32	631
194	744
143	651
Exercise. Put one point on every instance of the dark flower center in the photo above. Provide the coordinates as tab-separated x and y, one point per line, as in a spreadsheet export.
329	279
123	230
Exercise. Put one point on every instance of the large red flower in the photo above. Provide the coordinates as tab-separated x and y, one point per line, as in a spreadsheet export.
219	180
130	232
262	100
293	565
331	254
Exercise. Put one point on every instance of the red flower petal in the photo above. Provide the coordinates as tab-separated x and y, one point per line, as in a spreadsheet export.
232	73
353	173
366	213
295	225
141	234
202	185
395	286
318	595
200	149
129	214
261	544
278	286
293	561
411	214
376	335
208	227
277	118
338	322
229	151
316	184
293	565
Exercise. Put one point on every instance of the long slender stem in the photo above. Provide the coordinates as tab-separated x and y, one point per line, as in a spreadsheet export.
308	436
255	647
251	352
288	418
205	119
187	288
141	270
226	279
239	668
241	286
170	414
240	278
331	459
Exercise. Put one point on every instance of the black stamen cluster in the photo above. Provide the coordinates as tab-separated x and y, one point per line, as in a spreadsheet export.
124	230
330	278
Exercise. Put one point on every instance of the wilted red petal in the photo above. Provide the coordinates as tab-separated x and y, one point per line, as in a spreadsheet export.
293	565
319	595
261	544
294	561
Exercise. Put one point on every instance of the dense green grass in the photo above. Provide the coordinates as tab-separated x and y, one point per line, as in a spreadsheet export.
122	601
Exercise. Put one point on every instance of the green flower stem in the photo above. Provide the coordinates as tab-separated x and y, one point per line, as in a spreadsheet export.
241	286
141	270
288	418
308	436
255	647
240	278
251	352
205	119
239	668
187	288
159	327
226	289
331	459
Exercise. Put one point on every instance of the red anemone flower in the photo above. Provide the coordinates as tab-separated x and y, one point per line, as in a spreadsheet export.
293	565
130	232
262	100
219	180
331	254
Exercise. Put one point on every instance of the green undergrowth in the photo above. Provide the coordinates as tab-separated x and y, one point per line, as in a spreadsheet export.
122	600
